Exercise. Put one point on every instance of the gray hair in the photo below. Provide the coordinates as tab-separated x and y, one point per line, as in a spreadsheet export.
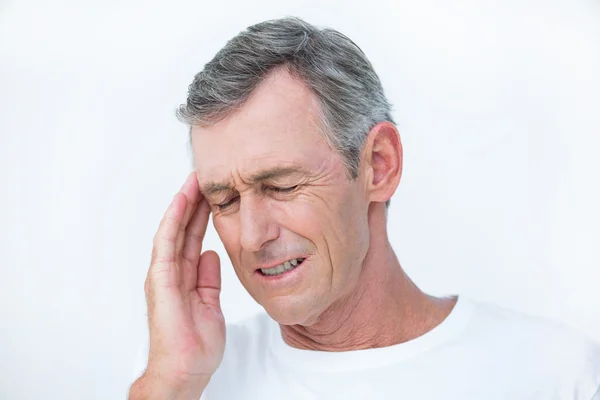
350	96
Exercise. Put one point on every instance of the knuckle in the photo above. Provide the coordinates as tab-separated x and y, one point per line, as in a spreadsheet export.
195	236
162	239
159	269
163	258
162	249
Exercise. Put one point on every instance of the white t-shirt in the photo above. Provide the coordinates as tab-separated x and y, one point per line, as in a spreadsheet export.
480	351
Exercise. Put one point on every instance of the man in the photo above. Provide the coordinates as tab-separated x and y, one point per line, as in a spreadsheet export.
297	156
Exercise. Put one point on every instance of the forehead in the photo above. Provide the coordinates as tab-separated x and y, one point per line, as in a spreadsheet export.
278	126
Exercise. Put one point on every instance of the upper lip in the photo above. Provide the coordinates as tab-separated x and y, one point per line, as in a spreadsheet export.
276	263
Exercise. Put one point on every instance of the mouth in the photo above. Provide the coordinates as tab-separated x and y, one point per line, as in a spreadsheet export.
282	268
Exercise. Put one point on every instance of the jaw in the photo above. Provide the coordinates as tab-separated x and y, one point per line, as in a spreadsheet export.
293	309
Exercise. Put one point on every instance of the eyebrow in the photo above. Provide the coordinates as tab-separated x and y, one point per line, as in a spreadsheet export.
211	188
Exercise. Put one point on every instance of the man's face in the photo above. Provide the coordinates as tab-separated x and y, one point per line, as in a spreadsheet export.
279	193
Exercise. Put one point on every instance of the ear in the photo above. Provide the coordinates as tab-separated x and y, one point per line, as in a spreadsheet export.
382	161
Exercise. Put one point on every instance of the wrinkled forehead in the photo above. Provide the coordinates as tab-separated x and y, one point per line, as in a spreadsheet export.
278	126
220	155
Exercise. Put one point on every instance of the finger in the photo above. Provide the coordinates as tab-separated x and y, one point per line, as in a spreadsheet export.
195	233
209	279
192	192
163	266
193	243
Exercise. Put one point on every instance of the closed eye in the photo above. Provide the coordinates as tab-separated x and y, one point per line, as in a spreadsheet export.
283	190
224	206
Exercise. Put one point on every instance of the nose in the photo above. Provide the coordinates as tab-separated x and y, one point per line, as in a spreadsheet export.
256	225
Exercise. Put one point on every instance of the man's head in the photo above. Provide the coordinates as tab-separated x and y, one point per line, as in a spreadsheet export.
295	150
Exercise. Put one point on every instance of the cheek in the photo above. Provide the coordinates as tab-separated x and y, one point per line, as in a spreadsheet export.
305	216
227	232
348	233
326	219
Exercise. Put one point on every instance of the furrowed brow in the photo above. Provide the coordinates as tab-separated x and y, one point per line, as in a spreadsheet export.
213	188
273	173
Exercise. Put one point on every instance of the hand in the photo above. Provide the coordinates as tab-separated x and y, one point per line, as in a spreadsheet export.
187	328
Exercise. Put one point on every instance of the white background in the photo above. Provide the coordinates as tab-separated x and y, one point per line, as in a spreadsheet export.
498	105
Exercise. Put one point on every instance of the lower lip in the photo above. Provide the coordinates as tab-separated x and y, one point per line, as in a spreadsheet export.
287	274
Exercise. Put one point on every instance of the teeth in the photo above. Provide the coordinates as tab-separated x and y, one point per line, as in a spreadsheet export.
286	266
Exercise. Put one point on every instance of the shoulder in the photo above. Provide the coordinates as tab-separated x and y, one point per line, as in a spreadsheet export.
549	349
519	328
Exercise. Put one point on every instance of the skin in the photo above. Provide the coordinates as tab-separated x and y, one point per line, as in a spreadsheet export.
277	191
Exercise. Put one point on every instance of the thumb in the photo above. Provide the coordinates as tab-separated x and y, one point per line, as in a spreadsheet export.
209	279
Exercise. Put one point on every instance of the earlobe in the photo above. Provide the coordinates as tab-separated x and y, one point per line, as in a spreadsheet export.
385	161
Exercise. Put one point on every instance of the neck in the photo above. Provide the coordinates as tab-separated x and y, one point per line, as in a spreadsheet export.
385	308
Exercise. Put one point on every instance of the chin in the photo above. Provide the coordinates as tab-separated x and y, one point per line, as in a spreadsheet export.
290	310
